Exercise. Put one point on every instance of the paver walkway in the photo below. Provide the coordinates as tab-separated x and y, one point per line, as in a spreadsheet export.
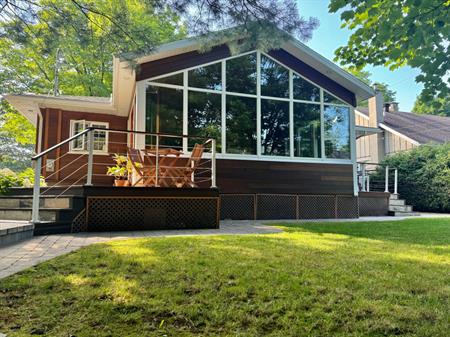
28	253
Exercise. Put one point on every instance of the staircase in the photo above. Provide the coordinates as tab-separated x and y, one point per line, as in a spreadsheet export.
398	207
56	213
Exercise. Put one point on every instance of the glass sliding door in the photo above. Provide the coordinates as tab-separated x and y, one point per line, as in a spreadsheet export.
164	114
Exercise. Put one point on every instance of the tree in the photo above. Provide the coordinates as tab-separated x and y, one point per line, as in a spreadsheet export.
389	95
395	34
434	106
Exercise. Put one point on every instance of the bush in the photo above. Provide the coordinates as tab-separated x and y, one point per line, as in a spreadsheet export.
424	176
9	178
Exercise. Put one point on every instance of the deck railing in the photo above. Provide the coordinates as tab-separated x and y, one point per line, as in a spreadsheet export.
84	158
377	178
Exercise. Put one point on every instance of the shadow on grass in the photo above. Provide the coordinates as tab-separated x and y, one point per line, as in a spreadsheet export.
434	231
305	282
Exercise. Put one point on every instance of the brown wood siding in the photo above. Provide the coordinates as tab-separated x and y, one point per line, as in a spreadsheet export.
246	176
71	164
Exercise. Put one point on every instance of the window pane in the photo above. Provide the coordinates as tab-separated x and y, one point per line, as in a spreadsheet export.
99	138
241	74
304	90
327	98
176	79
208	77
337	131
78	143
274	128
274	78
307	130
204	116
241	125
164	114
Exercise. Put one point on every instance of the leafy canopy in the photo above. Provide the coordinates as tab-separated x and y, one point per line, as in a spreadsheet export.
398	33
433	106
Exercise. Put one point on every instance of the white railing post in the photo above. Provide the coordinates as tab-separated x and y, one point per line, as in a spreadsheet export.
157	162
368	183
363	177
386	180
213	163
395	181
90	157
36	190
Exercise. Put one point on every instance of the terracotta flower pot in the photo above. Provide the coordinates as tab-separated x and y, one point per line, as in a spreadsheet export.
121	182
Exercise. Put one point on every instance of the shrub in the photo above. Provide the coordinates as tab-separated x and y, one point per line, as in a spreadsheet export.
9	178
424	176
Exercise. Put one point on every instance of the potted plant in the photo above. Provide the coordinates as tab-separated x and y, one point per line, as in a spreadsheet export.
121	170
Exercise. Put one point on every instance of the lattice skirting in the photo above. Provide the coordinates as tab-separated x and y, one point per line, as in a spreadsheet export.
285	206
373	205
133	213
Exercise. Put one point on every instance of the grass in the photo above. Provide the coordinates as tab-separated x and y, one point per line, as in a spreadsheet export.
316	279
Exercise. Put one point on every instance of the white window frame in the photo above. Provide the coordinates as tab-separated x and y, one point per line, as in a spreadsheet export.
143	84
86	125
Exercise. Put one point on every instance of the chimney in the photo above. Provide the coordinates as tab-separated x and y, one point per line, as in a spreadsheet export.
390	107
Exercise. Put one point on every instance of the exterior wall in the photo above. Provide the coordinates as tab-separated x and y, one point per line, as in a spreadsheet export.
56	128
395	143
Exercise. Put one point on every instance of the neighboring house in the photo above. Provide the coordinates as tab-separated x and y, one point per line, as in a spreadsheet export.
283	122
398	131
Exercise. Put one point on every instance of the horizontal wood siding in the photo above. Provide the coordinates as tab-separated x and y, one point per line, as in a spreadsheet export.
71	164
245	176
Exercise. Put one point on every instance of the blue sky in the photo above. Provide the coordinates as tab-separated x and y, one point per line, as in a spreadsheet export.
329	36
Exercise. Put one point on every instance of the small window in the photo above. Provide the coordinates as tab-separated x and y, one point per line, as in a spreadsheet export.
100	137
303	90
274	78
241	74
327	98
176	79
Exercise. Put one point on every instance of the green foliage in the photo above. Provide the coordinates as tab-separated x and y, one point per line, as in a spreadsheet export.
9	179
424	176
123	167
395	34
16	126
433	106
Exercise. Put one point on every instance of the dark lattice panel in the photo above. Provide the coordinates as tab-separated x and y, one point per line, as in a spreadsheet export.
373	206
276	206
237	206
79	223
347	207
316	206
151	213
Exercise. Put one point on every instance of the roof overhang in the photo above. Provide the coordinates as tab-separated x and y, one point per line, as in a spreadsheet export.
298	49
29	105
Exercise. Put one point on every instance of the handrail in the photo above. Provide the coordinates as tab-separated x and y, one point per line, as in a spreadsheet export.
93	128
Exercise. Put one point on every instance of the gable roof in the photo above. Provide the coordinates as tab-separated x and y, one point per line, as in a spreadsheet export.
421	128
296	48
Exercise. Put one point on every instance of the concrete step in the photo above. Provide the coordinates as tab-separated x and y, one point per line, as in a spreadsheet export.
400	208
27	202
46	214
14	231
397	202
397	213
393	196
52	227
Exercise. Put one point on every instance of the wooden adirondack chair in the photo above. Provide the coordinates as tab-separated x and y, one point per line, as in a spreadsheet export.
183	176
142	168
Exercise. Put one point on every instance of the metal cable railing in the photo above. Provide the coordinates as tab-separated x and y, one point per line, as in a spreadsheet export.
166	161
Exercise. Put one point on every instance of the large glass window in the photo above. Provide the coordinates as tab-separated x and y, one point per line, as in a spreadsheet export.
274	127
208	77
307	130
176	79
241	125
204	116
303	90
274	78
337	132
164	114
241	74
327	98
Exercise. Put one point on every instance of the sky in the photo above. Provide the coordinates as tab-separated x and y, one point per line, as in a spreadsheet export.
329	36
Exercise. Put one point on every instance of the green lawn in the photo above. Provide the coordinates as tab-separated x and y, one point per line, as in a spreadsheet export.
321	279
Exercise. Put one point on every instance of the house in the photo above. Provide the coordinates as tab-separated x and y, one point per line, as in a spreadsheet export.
282	126
397	131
